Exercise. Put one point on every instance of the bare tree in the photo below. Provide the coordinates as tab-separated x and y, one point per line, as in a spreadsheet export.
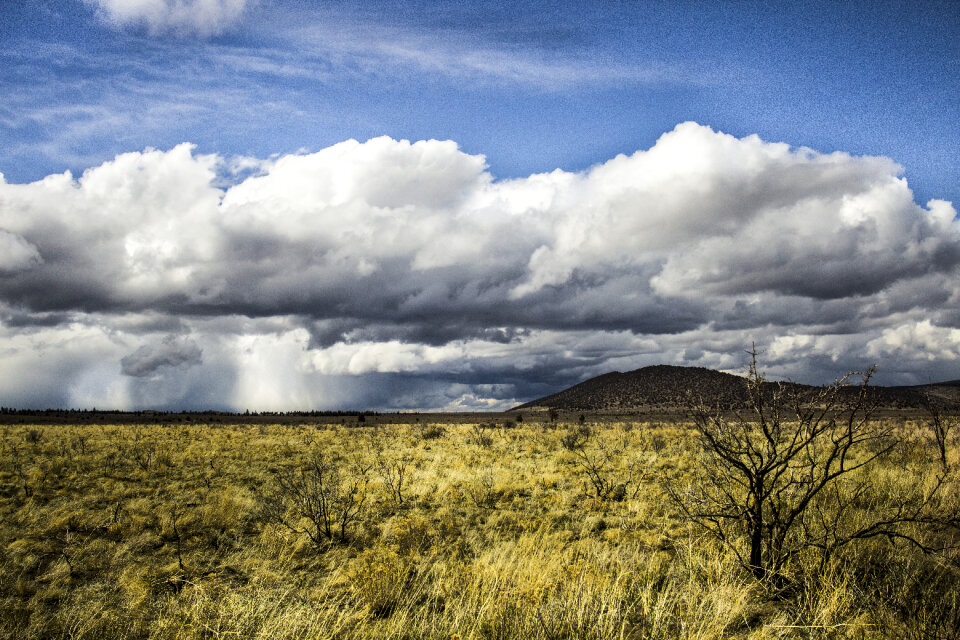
601	465
394	471
480	434
482	492
318	499
941	427
786	472
576	437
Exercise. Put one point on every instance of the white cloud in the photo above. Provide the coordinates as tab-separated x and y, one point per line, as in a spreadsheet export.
376	48
199	17
16	254
917	341
407	266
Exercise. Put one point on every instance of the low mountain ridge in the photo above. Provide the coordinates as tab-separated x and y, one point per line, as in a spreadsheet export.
669	387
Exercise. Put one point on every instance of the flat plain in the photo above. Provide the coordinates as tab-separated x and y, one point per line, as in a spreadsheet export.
498	529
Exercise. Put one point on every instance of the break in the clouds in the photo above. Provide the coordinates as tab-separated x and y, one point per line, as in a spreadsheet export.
186	17
393	274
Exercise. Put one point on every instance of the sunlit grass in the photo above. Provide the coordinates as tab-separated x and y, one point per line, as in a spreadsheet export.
167	532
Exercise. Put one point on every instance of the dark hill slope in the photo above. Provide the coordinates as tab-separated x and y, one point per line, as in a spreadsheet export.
665	387
947	392
656	387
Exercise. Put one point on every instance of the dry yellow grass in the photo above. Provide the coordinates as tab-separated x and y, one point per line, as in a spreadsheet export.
168	532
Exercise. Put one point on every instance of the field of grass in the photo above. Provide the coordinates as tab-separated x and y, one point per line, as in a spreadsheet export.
435	531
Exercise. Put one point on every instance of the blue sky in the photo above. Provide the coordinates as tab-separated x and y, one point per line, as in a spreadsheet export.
540	99
533	86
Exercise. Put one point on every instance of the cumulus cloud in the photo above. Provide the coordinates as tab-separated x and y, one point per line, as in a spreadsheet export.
408	261
16	254
914	339
198	17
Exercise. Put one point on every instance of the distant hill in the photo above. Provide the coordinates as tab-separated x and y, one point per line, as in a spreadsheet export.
666	388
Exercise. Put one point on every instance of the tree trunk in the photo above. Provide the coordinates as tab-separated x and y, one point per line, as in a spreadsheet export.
756	537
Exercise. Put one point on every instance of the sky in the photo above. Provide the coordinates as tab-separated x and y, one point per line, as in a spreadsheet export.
287	205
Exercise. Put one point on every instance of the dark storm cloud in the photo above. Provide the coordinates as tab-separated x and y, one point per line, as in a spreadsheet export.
170	352
197	388
17	319
410	262
324	333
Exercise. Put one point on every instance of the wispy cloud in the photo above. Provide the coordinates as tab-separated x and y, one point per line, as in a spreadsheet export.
376	48
73	105
118	101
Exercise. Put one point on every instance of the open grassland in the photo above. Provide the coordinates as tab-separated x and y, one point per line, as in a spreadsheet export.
443	531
